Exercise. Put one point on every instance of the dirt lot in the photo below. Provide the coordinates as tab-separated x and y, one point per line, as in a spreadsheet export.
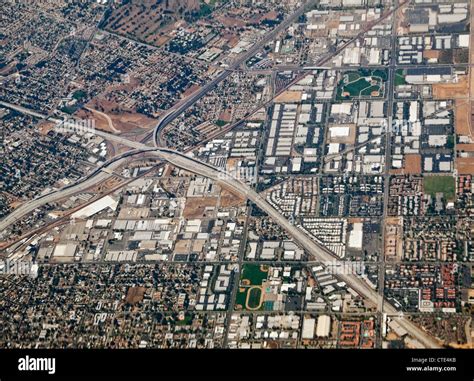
229	199
122	120
467	147
191	90
198	245
106	185
412	164
196	206
231	22
401	24
183	246
44	127
465	165
101	121
462	115
472	81
452	90
135	295
428	54
398	171
289	96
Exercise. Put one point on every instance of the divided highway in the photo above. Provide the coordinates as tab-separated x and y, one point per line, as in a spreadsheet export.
178	159
318	251
174	112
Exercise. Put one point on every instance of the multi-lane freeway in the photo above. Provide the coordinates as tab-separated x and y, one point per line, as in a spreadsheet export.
318	251
315	249
178	159
99	174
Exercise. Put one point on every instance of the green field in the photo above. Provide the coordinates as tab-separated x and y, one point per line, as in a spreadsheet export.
254	274
400	78
79	94
451	141
368	90
382	74
354	88
188	319
443	184
353	76
254	297
361	83
221	123
241	298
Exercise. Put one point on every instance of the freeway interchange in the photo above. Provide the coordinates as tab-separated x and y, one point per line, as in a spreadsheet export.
186	162
318	251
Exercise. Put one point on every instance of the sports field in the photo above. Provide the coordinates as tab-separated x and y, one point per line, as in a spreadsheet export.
362	83
250	294
444	184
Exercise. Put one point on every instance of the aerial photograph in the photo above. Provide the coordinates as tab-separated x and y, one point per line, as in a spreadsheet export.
231	182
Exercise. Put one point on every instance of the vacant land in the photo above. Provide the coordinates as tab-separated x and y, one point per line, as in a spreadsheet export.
135	295
401	26
465	165
229	199
465	147
196	207
461	56
102	120
431	54
150	21
462	115
456	90
123	120
289	97
183	246
412	164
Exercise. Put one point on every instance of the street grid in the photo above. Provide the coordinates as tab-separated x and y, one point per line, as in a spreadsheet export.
174	158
